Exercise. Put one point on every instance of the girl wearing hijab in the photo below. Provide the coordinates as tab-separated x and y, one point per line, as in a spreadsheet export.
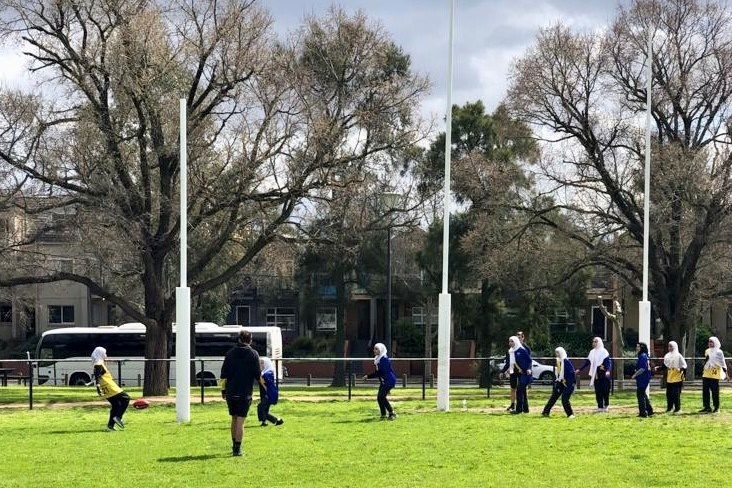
387	380
564	385
642	377
600	370
523	365
674	366
268	393
107	388
715	369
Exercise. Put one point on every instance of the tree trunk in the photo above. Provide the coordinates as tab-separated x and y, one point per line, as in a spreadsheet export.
156	371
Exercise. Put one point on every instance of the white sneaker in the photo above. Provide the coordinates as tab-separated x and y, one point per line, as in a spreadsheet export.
570	417
678	412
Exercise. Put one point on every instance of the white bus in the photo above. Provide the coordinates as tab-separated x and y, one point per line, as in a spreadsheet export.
64	354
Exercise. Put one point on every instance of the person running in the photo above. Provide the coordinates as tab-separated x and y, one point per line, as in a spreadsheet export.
107	388
674	367
715	369
642	377
268	393
600	365
238	374
564	384
387	380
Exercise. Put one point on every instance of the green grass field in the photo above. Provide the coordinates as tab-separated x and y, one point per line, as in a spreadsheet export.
327	441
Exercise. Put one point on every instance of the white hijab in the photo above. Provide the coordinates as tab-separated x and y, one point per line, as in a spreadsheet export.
266	364
597	355
512	353
98	355
716	357
561	356
673	359
382	352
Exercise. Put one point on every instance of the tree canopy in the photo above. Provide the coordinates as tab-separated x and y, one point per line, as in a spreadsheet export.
585	95
270	123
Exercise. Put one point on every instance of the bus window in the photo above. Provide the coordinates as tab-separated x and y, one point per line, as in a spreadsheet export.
214	345
259	343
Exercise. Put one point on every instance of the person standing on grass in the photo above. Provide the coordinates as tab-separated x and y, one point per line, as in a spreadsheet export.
715	369
238	374
107	388
600	365
564	385
268	393
387	380
674	367
523	365
642	377
509	365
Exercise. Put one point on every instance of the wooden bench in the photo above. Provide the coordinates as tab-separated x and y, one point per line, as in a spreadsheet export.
22	379
5	377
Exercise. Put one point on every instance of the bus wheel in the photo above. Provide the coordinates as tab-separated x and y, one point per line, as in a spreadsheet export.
79	379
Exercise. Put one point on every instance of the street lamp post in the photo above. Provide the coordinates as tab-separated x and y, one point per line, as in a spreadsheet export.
387	330
389	200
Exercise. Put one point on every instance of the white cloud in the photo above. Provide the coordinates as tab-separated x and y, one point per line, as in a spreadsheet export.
13	73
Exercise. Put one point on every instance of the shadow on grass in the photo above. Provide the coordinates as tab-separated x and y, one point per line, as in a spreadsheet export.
183	459
78	431
366	420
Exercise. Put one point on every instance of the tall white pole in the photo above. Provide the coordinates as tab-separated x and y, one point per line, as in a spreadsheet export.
445	301
644	307
183	293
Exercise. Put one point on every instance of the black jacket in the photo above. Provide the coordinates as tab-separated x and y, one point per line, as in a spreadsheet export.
240	370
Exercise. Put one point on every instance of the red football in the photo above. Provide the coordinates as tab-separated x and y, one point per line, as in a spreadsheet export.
140	403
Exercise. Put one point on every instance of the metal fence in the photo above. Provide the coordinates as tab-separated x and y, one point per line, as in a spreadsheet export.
414	373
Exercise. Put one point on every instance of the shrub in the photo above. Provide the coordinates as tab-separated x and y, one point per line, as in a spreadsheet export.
303	347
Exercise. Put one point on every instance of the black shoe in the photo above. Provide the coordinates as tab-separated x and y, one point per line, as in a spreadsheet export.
544	414
119	422
511	408
716	410
279	422
705	410
392	416
515	412
236	453
642	415
263	424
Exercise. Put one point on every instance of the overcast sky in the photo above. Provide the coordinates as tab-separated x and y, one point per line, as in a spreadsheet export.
489	34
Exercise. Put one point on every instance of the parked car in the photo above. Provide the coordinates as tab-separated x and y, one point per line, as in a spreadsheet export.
539	371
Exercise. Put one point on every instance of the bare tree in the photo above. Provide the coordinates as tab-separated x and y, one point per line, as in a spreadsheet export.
585	95
268	122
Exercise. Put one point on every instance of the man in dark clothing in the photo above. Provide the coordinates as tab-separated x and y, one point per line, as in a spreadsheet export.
238	374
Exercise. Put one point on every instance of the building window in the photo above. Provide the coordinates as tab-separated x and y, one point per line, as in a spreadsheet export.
4	228
64	265
283	317
6	314
242	315
418	316
60	314
325	319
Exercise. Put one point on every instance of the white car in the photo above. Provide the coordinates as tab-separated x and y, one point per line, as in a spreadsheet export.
539	371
